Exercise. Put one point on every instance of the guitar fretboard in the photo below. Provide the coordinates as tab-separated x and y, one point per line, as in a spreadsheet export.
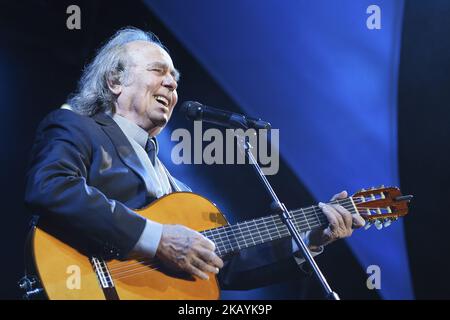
233	238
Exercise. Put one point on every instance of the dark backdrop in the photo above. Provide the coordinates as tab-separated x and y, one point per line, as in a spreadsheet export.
424	142
41	61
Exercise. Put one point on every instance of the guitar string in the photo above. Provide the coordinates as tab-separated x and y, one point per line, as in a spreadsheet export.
257	223
245	233
305	210
154	269
225	229
258	241
115	272
285	233
144	268
230	246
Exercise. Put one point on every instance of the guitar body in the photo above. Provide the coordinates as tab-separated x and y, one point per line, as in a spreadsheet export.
67	274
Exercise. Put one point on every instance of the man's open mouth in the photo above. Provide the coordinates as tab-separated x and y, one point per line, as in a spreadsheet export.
162	100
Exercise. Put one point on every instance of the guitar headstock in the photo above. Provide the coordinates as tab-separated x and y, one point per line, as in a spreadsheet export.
380	206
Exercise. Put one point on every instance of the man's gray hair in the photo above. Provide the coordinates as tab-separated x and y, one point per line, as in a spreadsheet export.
93	94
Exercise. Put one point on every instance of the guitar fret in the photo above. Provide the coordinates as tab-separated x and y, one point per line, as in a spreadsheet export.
301	210
318	219
250	234
255	234
266	228
224	249
229	242
354	208
223	240
259	233
234	243
232	237
275	224
241	235
218	248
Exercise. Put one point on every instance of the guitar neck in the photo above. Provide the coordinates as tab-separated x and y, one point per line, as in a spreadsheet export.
233	238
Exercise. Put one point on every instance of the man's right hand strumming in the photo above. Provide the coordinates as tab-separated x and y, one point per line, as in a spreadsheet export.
184	249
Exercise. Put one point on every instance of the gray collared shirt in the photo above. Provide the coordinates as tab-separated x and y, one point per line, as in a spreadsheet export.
158	185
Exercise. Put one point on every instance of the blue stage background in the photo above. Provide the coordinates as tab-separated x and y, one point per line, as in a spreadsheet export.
316	72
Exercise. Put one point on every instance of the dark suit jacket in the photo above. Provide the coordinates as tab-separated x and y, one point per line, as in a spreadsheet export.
83	179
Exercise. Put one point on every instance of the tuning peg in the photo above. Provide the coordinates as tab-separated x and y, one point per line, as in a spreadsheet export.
378	224
368	225
387	223
404	198
362	190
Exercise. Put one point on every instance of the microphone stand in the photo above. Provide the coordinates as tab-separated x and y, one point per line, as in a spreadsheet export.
286	217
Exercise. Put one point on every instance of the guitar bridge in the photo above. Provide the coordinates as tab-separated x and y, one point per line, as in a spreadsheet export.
102	272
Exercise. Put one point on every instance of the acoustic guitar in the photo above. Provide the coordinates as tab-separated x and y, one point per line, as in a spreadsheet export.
65	273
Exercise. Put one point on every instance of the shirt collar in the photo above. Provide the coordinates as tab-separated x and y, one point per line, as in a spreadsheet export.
132	130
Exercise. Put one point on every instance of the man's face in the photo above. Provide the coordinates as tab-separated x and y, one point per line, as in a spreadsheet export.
148	95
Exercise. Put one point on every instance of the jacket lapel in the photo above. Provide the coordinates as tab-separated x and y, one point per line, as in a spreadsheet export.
123	146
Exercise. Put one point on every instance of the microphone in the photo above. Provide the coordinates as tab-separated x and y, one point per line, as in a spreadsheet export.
196	111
